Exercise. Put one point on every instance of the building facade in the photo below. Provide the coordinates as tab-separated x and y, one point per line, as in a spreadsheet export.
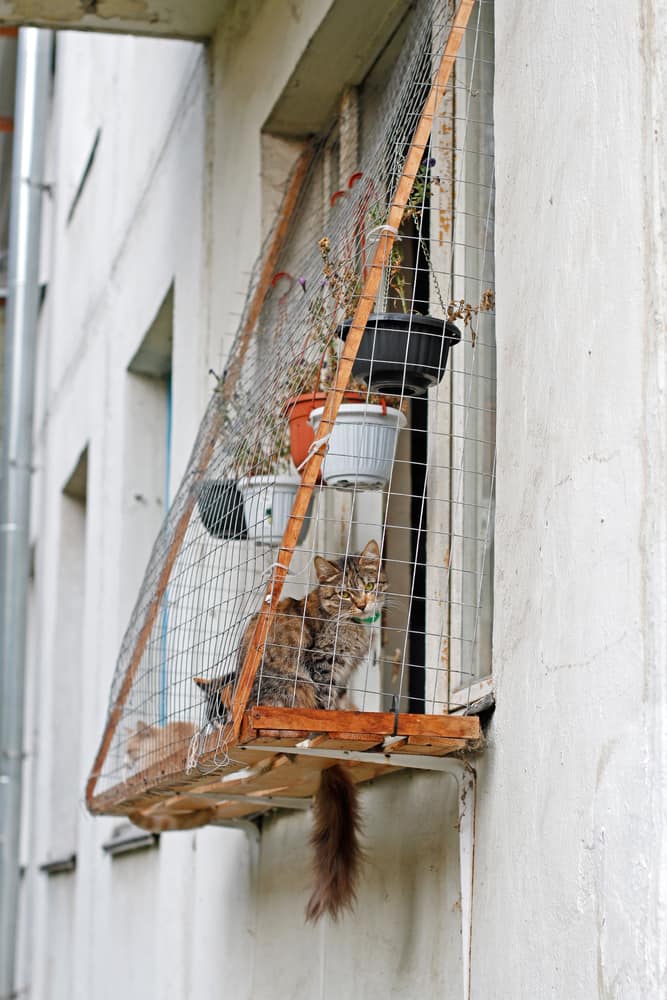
166	162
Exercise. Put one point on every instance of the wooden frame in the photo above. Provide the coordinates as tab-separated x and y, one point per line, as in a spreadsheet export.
262	774
334	399
179	804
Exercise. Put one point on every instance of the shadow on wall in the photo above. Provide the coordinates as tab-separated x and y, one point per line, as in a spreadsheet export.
403	939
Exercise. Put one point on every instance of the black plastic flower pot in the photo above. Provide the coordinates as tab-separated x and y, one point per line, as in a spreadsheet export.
221	508
402	352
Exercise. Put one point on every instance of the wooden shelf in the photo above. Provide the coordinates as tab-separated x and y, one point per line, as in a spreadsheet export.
277	762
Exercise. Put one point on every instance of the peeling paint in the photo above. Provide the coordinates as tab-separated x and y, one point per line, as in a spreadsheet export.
143	17
56	12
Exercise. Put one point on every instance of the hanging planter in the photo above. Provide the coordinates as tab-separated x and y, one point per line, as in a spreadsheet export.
403	353
220	507
362	445
297	409
267	503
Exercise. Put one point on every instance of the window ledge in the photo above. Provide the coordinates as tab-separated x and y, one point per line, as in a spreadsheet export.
59	866
128	838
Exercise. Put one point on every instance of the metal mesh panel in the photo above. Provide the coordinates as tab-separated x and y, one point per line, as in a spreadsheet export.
409	464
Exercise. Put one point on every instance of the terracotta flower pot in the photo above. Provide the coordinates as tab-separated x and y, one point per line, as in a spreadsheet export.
297	409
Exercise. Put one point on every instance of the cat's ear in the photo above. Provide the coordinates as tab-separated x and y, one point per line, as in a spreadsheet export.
204	682
326	571
142	731
371	553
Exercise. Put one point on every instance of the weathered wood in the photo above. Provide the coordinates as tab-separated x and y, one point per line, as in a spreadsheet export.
347	741
170	775
174	804
297	776
166	787
361	771
334	398
428	746
177	805
278	737
366	723
239	810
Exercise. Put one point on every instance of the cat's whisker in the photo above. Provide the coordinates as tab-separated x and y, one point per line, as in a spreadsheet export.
394	604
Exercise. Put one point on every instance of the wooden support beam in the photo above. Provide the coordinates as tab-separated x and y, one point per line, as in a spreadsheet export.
462	727
429	746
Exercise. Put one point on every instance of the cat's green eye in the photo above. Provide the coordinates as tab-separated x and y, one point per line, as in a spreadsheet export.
369	587
345	594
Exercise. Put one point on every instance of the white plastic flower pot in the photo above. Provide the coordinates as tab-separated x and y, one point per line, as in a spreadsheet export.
267	504
362	445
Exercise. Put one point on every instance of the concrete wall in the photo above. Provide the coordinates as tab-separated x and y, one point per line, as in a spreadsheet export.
573	788
569	881
137	230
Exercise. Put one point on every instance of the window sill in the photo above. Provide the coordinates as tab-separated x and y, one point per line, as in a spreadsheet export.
128	838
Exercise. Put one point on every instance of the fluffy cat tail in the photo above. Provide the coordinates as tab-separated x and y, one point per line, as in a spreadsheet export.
335	840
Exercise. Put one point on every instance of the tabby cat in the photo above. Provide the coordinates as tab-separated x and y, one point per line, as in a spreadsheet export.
313	647
314	643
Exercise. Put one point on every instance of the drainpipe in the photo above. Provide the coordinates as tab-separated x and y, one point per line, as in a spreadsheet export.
30	117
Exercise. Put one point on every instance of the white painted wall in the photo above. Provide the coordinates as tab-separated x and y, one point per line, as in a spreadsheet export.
569	871
570	894
138	227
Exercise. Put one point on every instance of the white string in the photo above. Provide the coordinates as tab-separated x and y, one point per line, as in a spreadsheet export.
374	234
315	446
277	565
193	752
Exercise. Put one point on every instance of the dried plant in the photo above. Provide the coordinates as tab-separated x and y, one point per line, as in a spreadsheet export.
462	310
266	453
337	297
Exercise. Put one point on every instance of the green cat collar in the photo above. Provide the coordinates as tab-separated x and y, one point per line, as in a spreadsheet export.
367	621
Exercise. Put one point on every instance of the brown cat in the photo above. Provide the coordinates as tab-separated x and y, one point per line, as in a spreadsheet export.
315	643
146	743
313	647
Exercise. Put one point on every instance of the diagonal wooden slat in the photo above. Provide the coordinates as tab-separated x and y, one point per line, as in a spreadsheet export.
317	720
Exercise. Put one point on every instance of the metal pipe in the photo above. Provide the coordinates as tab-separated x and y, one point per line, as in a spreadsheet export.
31	106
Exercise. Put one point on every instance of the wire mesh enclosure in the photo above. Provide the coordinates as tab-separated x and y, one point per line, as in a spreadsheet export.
323	578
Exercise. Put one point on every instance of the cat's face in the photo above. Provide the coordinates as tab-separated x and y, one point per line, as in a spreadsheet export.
353	587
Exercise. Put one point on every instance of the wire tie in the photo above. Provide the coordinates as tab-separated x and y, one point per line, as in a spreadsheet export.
193	752
279	565
315	446
385	230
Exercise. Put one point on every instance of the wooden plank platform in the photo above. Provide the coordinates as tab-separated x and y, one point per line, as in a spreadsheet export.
258	773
